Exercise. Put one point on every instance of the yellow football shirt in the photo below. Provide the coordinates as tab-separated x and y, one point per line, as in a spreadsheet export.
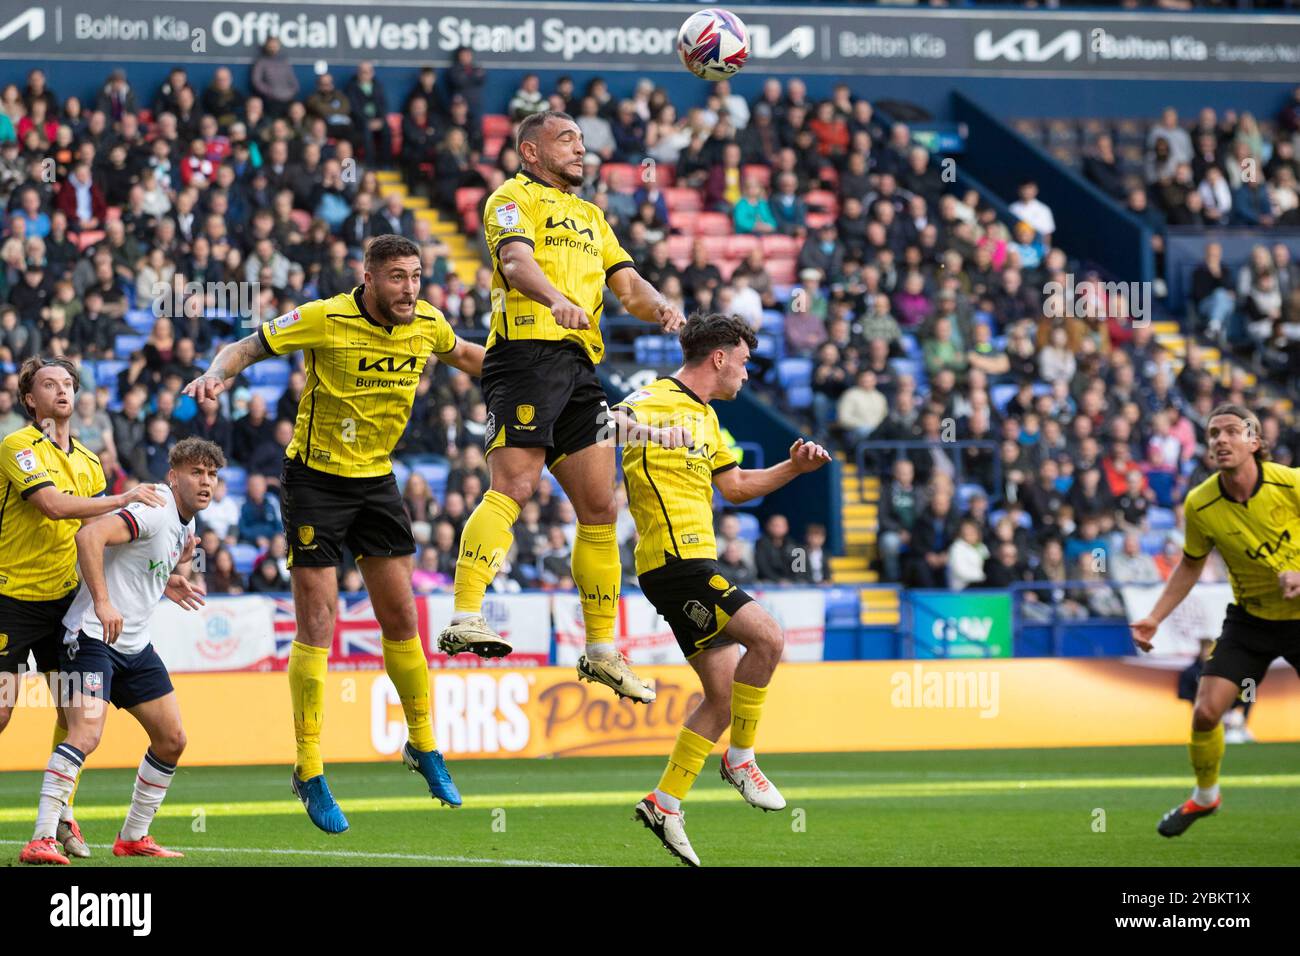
361	379
38	556
575	248
670	491
1258	538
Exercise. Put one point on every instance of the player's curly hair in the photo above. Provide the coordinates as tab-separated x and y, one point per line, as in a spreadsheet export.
196	451
389	246
27	378
1252	422
705	333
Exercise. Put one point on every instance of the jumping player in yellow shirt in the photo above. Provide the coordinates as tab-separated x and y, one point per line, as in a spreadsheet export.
1250	512
365	351
674	456
554	253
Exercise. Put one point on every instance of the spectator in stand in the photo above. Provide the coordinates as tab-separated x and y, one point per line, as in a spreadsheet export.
900	506
272	79
82	201
393	217
1132	565
553	563
733	565
967	557
222	514
1135	501
221	577
932	535
774	554
789	211
1034	211
816	561
823	251
753	214
527	100
466	79
250	431
267	578
149	458
259	519
861	409
1101	168
267	457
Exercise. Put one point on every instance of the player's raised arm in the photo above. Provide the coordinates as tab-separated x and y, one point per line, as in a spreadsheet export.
632	432
739	485
57	506
521	270
230	361
92	539
643	300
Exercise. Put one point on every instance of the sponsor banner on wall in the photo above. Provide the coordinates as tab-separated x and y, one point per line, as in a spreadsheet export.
968	624
244	718
644	637
640	37
1200	615
226	634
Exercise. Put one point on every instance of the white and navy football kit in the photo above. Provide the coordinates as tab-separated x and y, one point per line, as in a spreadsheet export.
129	671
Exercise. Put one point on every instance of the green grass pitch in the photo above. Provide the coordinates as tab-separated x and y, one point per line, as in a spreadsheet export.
973	808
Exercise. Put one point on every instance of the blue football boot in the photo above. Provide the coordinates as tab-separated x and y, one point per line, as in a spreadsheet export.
431	766
322	808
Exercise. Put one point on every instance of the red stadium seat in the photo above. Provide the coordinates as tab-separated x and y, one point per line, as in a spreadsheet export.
777	246
683	198
816	220
684	220
467	197
782	271
485	170
301	220
621	177
112	214
823	200
681	262
665	175
756	171
89	238
496	125
739	246
492	146
471	220
726	267
716	246
679	247
395	130
713	224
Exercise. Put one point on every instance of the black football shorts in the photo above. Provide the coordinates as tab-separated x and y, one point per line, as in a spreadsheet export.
696	600
321	513
35	626
542	394
1249	644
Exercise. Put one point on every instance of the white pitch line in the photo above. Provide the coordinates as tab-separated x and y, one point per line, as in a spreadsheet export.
353	854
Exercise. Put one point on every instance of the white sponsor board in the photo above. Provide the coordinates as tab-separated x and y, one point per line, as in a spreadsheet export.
228	634
644	637
1200	615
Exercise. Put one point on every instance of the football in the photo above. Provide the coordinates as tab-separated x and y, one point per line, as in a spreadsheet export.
713	44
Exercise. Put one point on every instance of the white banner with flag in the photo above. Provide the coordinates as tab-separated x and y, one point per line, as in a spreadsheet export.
644	637
1200	615
228	634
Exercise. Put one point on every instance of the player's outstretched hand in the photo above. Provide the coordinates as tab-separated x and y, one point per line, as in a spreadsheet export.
1144	633
205	387
1289	582
185	593
669	317
145	494
569	316
673	436
808	456
111	620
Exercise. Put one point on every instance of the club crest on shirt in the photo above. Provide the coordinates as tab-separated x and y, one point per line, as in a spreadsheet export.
26	459
508	215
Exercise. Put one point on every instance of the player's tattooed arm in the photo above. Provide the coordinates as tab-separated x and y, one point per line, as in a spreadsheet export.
521	270
230	361
644	301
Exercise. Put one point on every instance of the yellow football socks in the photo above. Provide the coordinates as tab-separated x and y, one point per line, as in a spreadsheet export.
307	667
483	546
1206	750
597	572
746	708
685	764
409	671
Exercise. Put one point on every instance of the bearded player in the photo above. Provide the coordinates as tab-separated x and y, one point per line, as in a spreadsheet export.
554	254
674	456
52	483
108	653
365	351
1250	512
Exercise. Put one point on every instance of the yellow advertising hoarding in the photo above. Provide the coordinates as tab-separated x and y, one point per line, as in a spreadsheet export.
244	718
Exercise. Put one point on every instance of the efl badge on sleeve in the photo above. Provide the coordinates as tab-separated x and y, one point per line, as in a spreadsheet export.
26	459
508	215
288	319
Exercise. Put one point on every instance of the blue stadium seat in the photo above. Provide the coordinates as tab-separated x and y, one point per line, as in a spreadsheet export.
911	347
109	369
966	491
768	347
795	372
270	394
270	372
1162	483
773	322
658	350
800	397
141	320
1042	388
999	395
401	472
908	366
126	344
435	473
1153	542
244	556
1160	519
750	529
236	480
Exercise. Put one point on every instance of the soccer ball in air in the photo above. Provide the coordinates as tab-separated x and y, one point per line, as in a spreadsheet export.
713	44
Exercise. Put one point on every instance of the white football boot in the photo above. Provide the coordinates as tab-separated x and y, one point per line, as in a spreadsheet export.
614	673
669	826
757	790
